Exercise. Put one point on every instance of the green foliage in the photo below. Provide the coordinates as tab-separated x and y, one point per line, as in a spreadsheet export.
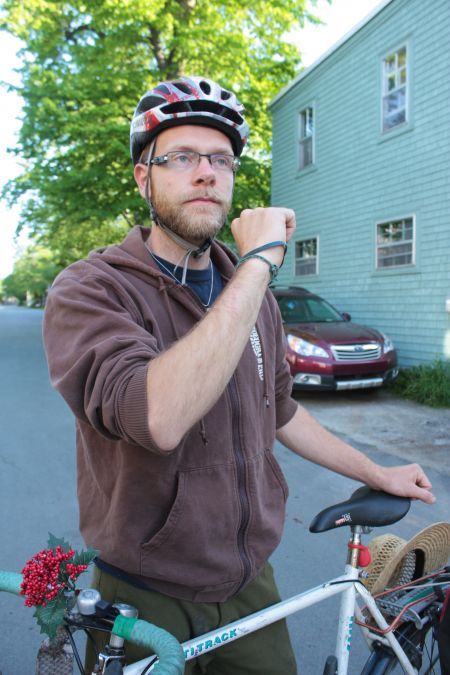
85	65
426	384
32	275
51	616
54	541
83	557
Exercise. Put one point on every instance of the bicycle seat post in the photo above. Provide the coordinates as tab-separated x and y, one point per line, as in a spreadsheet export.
355	543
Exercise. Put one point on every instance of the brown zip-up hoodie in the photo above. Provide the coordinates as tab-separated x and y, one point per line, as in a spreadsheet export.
197	523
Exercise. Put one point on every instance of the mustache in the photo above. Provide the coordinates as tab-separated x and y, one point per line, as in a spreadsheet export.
208	194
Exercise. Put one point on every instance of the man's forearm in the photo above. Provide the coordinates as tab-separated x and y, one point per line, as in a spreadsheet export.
186	380
309	439
305	436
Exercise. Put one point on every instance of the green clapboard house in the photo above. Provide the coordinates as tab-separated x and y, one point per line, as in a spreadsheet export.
361	152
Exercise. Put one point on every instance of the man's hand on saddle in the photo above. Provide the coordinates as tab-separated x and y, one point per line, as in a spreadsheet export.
408	480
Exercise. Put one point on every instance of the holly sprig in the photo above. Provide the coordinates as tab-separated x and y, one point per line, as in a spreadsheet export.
49	581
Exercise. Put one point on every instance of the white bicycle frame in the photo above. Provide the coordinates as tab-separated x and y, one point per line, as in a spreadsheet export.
348	585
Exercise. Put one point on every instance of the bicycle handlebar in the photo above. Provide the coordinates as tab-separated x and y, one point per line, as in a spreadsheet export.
139	632
157	640
10	582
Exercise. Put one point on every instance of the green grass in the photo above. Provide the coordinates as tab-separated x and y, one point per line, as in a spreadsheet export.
426	384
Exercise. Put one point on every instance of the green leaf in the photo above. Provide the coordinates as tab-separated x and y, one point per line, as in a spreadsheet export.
50	617
85	557
53	542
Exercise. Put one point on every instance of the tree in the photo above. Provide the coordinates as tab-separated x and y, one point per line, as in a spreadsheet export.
85	65
32	275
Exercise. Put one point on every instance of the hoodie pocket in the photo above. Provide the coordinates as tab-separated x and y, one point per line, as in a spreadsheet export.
196	547
278	473
269	491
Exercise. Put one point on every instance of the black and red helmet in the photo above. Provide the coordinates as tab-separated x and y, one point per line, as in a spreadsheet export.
188	100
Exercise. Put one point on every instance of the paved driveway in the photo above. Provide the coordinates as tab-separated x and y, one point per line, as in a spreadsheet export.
376	419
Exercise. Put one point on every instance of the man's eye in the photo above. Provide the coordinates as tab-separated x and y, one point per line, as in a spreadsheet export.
222	161
182	158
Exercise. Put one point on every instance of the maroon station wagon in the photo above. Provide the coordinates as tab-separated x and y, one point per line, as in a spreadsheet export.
326	351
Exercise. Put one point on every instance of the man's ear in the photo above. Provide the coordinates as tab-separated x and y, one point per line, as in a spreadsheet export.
140	176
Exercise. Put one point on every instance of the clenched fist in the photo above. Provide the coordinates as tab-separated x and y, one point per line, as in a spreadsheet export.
256	227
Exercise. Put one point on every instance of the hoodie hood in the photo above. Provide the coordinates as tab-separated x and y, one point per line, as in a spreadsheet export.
132	255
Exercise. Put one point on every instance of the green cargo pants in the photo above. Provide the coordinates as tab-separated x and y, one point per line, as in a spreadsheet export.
265	652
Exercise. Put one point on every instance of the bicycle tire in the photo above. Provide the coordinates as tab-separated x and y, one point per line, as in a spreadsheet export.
330	666
420	645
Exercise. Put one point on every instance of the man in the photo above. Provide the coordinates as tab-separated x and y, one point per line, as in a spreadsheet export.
171	357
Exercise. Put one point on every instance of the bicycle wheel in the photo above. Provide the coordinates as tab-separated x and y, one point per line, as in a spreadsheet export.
420	646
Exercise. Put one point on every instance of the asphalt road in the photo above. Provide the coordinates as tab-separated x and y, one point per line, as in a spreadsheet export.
37	489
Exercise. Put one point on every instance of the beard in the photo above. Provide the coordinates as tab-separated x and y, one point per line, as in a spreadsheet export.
193	222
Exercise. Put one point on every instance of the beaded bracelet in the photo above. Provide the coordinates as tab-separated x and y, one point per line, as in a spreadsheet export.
274	269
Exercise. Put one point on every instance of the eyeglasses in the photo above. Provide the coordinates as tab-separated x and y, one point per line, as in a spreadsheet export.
189	159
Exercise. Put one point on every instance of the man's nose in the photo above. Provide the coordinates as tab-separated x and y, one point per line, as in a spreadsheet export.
204	172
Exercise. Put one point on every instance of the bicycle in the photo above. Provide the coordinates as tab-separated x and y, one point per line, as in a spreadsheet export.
399	626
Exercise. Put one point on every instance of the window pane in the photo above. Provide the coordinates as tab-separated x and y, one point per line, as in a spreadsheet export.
394	120
306	257
307	123
306	134
393	102
395	260
304	267
389	63
402	57
305	248
391	82
305	153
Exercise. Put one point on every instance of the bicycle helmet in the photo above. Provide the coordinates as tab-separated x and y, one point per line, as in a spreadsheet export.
187	100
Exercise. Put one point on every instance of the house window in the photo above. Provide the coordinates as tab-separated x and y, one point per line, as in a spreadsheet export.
306	136
395	93
306	257
395	243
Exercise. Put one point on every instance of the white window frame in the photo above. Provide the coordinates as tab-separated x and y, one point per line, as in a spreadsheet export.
393	78
395	244
305	136
316	257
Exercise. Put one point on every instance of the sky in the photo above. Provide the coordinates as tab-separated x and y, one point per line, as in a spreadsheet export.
339	18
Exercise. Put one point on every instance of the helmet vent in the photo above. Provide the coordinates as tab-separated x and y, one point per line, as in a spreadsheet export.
183	87
205	87
225	95
163	89
202	107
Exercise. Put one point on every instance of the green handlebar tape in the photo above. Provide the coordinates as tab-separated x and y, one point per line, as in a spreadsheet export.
157	640
123	627
10	582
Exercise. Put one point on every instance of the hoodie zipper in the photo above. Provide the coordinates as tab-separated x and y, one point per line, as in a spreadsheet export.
241	474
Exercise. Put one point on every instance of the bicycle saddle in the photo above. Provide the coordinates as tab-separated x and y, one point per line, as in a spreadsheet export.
365	507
